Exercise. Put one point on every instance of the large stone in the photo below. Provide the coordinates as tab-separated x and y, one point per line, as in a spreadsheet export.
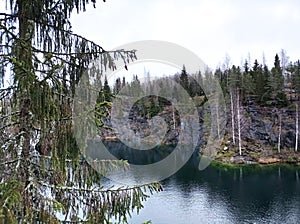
268	160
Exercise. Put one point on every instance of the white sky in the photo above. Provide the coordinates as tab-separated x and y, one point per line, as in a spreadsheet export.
209	28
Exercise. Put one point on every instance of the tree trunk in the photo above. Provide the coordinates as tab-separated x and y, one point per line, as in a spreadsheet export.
239	123
297	128
232	117
174	120
21	76
218	120
279	132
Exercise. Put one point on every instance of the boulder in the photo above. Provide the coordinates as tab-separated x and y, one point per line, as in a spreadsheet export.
268	160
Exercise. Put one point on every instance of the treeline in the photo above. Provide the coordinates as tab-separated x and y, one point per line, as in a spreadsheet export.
252	84
276	86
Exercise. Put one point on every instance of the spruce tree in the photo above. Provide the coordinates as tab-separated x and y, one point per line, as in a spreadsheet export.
39	153
247	83
276	83
117	86
184	79
106	91
294	69
260	78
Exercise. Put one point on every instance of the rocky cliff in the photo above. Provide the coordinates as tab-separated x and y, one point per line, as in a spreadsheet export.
268	135
261	130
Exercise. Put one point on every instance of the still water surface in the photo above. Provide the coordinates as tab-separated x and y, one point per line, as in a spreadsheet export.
220	195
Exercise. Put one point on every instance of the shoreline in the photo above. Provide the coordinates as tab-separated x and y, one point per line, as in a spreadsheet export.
267	157
231	157
252	167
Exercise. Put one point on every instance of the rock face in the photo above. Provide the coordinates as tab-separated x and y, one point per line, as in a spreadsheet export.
165	125
262	125
261	128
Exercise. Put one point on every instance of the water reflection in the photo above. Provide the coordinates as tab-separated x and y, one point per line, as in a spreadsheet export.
247	194
219	195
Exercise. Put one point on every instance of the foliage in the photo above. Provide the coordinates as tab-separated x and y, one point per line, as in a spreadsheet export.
42	172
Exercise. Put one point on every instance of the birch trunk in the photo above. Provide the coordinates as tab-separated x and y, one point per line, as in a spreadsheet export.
279	134
232	117
174	122
239	124
297	128
218	125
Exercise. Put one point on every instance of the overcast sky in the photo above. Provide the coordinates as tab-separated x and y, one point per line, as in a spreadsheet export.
210	28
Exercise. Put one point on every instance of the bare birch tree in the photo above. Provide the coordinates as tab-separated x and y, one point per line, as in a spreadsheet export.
239	123
232	117
297	128
279	132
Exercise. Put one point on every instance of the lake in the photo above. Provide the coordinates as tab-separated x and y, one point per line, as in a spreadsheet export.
217	194
248	194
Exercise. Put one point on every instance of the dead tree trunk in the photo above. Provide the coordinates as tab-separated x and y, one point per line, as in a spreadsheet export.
279	132
297	128
239	123
232	117
173	115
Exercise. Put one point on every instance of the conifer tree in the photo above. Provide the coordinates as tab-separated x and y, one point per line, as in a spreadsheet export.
247	83
276	82
294	69
39	153
184	79
260	77
106	91
117	86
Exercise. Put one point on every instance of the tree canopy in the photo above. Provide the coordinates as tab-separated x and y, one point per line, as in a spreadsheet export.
42	173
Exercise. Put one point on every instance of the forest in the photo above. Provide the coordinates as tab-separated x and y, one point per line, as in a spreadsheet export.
43	176
248	90
42	173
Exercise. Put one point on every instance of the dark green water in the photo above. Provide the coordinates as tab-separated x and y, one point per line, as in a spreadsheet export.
220	195
245	194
